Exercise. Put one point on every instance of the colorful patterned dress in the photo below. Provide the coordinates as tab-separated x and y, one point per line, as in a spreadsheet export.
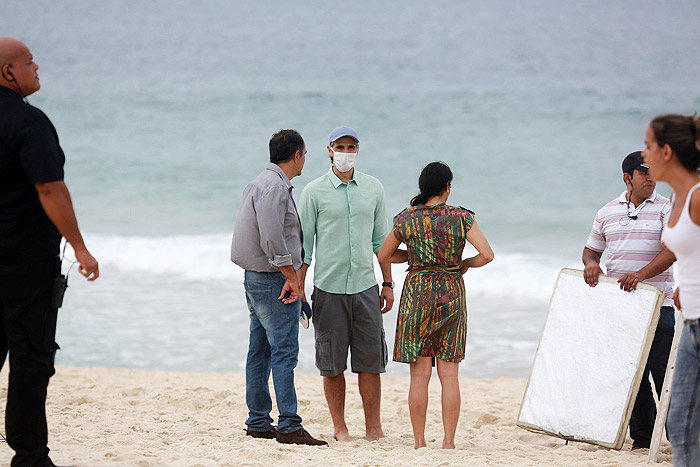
432	319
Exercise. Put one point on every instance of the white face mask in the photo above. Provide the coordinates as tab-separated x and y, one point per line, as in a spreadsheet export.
344	161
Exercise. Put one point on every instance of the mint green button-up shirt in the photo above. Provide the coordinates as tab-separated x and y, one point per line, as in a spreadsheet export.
347	223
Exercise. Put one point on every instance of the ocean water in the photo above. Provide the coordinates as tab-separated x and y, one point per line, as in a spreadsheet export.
165	108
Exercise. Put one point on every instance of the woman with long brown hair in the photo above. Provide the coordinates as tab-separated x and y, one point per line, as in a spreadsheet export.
673	155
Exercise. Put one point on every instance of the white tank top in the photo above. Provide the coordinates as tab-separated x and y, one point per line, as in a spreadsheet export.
683	240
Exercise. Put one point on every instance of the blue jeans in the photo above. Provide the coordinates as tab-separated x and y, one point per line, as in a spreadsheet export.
274	345
644	411
683	422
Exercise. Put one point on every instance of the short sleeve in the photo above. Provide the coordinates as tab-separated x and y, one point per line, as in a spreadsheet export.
399	227
467	218
39	152
596	239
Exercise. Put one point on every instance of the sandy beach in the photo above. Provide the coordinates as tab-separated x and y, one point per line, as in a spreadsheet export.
110	417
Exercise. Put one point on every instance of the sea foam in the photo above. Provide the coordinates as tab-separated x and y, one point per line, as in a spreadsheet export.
206	258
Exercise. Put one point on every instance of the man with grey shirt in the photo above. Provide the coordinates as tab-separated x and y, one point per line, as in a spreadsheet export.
267	243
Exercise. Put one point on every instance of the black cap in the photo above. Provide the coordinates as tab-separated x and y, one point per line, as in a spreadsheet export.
634	161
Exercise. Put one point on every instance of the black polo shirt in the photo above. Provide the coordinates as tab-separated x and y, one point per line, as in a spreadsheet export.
29	153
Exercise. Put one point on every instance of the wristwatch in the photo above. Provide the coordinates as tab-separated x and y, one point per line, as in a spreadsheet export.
388	284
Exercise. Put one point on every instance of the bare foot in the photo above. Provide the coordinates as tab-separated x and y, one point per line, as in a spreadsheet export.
374	435
342	435
419	445
448	444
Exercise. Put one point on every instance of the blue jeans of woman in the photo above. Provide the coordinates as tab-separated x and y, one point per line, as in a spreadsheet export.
273	346
683	422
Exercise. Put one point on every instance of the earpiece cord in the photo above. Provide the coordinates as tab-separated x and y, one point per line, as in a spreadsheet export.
629	200
63	257
14	80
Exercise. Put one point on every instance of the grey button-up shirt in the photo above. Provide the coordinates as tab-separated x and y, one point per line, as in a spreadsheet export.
267	234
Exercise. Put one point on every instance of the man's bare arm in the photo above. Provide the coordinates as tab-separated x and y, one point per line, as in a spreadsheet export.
591	261
56	201
659	264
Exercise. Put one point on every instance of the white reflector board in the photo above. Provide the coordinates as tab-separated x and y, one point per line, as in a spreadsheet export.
590	360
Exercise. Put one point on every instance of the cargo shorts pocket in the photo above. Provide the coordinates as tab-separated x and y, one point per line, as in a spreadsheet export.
324	352
385	352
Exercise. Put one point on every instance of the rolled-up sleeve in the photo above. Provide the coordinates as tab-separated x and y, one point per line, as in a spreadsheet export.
308	213
381	224
270	210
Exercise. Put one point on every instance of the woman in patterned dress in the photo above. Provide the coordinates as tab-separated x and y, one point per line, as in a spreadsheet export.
432	317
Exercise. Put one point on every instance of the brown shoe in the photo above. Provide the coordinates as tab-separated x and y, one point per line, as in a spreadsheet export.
269	434
301	436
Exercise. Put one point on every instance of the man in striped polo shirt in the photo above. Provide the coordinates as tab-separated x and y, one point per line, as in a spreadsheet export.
629	227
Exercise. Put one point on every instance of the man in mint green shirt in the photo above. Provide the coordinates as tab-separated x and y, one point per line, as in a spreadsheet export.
344	213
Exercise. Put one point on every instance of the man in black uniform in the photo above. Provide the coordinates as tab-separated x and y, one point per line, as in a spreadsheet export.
35	211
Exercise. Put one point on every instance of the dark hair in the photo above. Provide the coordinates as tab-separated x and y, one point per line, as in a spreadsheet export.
433	180
682	134
284	144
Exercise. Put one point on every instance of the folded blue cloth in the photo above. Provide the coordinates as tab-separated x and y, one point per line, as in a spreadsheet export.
305	314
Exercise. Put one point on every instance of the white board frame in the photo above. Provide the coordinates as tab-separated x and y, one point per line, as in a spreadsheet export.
665	400
634	383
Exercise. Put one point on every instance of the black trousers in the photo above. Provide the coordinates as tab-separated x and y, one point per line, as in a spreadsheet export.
644	411
28	332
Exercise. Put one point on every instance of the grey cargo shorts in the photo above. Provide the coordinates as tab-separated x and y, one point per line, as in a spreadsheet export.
353	321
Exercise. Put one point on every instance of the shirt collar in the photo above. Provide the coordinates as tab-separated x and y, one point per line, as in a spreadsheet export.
276	168
652	199
9	92
337	181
